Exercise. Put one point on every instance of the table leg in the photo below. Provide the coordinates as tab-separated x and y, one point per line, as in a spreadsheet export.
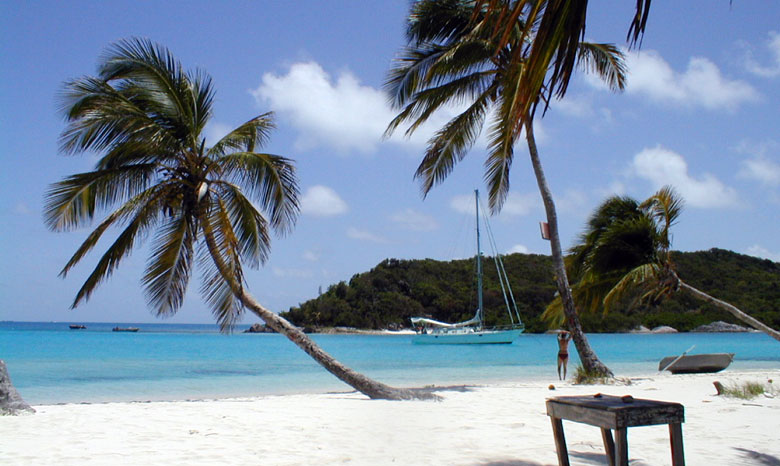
621	447
609	445
676	438
560	442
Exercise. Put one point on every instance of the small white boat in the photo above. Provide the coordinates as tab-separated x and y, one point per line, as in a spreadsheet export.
472	331
696	363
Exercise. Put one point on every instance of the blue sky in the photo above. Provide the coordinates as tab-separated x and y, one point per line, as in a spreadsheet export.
701	113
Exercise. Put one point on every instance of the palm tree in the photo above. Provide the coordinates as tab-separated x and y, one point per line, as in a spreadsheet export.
145	115
450	58
625	253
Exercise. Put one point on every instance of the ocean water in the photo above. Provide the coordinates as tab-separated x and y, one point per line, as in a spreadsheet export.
49	363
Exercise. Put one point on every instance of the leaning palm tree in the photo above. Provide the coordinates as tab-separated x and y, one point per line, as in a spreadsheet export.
625	255
145	116
449	59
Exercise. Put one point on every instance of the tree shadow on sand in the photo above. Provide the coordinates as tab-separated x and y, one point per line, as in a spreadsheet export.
759	458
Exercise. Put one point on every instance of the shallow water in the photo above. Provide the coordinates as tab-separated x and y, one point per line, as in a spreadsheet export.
49	363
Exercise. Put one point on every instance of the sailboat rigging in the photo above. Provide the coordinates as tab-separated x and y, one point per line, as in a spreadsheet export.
473	330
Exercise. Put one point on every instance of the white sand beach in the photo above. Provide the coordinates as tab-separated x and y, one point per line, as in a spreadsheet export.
499	425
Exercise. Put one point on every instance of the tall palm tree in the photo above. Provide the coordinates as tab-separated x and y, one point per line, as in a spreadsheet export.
625	253
450	58
145	115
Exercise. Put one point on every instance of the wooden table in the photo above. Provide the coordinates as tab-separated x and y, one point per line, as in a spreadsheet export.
618	414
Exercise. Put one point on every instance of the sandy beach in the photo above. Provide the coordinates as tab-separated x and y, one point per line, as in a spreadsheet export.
483	425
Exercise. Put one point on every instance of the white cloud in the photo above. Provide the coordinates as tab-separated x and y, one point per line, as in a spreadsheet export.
363	235
322	201
410	219
761	169
760	251
518	248
701	84
662	167
311	256
773	69
341	113
292	273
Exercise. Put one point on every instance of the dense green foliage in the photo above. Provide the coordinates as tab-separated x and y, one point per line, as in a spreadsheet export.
395	290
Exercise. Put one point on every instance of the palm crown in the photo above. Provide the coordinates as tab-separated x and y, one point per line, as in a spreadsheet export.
451	58
146	116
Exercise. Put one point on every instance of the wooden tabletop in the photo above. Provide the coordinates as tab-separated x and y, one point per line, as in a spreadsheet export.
615	412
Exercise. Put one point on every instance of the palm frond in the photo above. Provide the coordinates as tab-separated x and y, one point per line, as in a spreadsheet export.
168	270
74	201
141	210
249	225
643	276
143	221
253	133
268	178
451	143
607	61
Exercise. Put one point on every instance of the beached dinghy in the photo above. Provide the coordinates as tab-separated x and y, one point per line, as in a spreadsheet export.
472	331
696	363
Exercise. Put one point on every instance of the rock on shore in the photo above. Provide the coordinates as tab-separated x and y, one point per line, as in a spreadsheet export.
10	400
720	326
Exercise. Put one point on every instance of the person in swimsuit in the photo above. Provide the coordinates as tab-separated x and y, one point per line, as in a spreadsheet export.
563	352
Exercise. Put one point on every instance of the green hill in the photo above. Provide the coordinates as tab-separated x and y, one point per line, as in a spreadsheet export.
395	290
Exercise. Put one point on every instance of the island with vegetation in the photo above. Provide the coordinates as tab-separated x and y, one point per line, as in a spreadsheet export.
395	290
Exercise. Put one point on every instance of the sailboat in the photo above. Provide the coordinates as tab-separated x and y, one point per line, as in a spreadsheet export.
472	331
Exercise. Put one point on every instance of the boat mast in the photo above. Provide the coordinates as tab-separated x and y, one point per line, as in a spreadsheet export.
479	264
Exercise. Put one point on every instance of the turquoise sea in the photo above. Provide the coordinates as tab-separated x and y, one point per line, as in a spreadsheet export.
49	363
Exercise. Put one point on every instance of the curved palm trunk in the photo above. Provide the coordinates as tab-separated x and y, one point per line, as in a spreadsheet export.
358	381
756	324
590	362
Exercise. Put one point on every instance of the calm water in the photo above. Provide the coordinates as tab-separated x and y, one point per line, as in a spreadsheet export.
49	363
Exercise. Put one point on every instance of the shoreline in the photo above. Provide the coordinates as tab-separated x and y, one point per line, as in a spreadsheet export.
494	424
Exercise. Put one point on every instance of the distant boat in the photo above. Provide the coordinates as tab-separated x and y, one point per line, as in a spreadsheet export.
77	327
696	363
472	331
124	329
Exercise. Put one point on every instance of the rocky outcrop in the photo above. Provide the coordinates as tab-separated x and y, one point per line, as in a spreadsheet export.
640	329
720	326
10	400
259	328
664	329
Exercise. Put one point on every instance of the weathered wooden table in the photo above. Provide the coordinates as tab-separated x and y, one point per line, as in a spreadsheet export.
618	414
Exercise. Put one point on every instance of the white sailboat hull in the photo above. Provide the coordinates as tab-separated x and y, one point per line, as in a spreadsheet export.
484	337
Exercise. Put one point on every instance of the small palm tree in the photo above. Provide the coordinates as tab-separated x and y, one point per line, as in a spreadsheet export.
451	58
145	115
625	254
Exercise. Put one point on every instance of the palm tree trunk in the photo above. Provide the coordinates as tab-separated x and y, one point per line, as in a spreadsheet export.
358	381
590	362
756	324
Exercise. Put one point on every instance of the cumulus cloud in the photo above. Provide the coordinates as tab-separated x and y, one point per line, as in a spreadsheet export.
772	70
322	201
761	169
701	84
337	112
363	235
518	248
409	219
661	167
762	252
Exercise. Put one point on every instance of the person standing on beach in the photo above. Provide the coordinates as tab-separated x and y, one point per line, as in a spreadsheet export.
563	352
